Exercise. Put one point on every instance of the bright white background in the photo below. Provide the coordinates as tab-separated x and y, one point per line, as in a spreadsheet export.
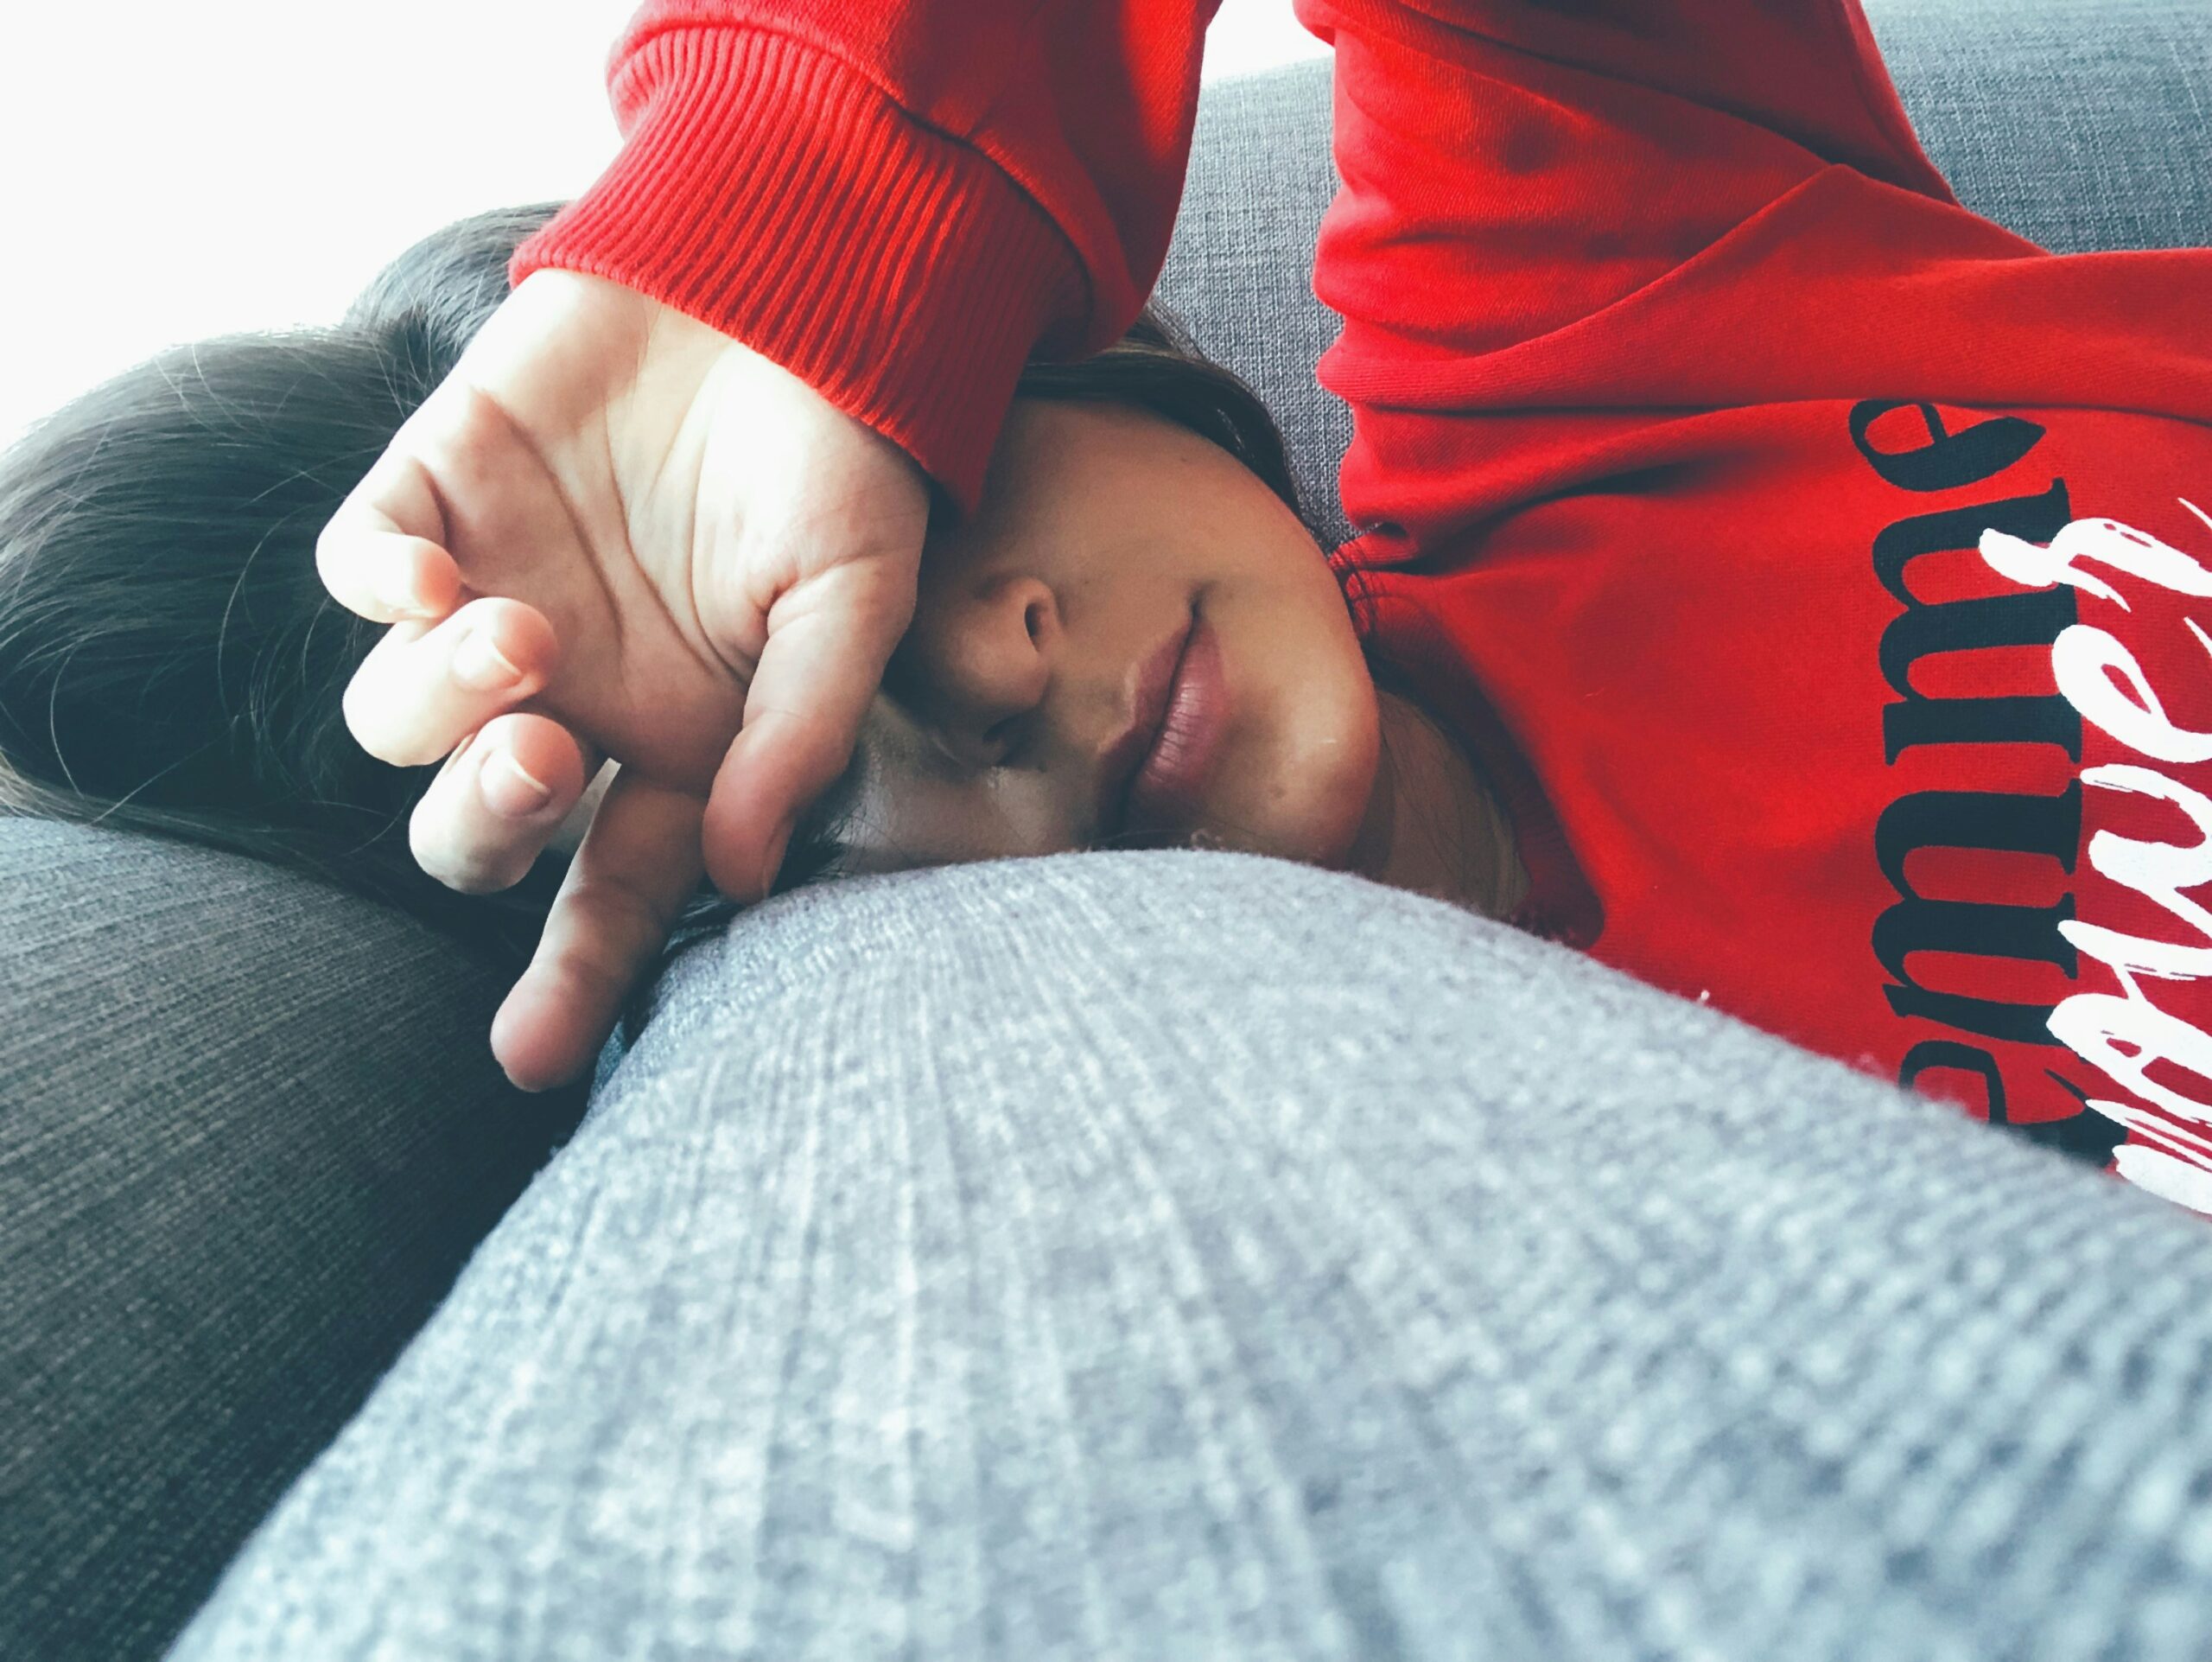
170	171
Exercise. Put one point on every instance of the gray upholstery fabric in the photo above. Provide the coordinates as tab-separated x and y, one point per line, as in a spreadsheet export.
1240	267
250	1131
1191	1256
2090	127
2079	123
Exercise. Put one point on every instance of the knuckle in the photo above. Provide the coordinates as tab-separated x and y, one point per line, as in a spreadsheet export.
612	929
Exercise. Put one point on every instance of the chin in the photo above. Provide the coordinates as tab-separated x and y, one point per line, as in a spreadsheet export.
1333	845
1310	798
1336	812
1317	831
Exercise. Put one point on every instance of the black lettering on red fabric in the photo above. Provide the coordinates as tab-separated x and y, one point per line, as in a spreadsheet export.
1992	821
2028	617
1995	821
1948	460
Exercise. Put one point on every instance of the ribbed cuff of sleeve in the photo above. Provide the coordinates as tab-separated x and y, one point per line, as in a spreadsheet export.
766	189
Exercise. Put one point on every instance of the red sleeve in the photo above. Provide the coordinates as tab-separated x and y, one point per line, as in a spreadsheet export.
1510	166
899	201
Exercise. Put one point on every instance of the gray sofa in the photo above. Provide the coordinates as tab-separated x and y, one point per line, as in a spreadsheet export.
1152	1254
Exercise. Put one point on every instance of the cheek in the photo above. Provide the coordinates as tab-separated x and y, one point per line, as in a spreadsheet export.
1310	733
1019	813
931	822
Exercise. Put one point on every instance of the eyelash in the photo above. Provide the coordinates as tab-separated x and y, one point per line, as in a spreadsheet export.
1015	752
1016	747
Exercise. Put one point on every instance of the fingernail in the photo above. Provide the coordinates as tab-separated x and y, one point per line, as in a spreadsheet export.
511	790
775	860
397	590
477	663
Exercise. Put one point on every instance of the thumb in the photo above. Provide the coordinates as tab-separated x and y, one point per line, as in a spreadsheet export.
829	641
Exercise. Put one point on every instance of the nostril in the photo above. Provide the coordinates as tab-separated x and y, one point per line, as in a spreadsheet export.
1033	617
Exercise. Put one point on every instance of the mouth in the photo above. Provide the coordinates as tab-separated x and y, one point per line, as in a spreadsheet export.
1167	796
1154	680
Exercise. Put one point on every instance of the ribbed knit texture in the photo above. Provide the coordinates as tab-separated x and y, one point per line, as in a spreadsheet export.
748	157
1189	1256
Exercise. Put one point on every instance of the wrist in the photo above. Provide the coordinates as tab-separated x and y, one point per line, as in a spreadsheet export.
766	189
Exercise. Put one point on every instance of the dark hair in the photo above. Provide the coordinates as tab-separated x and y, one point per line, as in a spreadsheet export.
169	661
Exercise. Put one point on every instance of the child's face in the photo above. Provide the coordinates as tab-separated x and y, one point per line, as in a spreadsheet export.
1104	531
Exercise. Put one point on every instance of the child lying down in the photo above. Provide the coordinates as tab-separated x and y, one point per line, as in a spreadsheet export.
1773	579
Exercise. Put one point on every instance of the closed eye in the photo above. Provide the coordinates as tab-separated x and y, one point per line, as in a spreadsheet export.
1004	743
1011	739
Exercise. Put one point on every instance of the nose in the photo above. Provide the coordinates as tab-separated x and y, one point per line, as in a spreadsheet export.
979	666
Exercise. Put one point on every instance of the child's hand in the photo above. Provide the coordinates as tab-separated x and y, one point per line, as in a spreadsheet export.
699	567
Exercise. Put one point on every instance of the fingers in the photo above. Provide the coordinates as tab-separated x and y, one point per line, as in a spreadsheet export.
638	863
816	677
381	554
424	688
498	802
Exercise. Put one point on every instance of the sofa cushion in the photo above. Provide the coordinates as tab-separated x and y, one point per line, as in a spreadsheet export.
250	1131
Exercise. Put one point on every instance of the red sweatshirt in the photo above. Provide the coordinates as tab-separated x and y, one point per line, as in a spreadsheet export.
1810	562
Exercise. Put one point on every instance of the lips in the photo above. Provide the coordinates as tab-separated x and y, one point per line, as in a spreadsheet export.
1167	793
1154	680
